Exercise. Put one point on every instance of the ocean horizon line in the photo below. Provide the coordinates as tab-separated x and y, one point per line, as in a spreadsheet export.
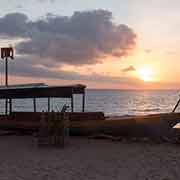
111	89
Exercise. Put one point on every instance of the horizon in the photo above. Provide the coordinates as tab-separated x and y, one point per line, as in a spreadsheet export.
105	45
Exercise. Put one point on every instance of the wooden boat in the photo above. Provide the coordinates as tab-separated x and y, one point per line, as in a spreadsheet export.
92	123
147	125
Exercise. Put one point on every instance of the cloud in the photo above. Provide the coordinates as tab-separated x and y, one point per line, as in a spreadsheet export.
26	67
170	52
148	51
19	6
86	37
14	25
46	1
130	68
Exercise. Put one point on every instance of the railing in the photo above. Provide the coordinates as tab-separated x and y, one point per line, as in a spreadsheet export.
54	128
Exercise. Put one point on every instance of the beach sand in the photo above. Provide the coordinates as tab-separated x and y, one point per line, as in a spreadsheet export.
83	158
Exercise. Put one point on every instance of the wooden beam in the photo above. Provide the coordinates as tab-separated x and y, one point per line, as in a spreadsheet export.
83	102
34	104
10	106
6	106
49	104
72	104
63	92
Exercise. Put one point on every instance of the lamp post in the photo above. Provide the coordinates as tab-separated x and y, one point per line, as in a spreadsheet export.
6	52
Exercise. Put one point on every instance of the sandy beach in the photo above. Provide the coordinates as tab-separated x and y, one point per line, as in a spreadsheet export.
84	158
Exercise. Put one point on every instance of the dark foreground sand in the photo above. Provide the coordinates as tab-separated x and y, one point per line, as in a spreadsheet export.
82	159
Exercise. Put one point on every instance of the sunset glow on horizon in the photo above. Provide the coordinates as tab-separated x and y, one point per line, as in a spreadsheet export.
146	74
100	44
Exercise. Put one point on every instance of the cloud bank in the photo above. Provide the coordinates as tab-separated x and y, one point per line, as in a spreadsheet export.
84	38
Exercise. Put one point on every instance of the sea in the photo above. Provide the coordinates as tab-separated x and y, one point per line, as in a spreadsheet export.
111	102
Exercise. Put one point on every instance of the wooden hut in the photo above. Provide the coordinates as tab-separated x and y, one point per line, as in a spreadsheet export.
35	91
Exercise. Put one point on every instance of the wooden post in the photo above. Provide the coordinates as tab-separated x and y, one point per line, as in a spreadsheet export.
10	106
43	131
177	104
6	71
72	103
49	104
34	104
6	106
83	102
6	53
6	83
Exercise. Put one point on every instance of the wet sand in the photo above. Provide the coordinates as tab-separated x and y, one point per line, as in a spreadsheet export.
83	158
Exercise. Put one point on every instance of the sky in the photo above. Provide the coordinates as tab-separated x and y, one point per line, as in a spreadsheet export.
117	44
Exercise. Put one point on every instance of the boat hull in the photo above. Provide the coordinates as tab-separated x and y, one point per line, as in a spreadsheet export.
85	124
149	125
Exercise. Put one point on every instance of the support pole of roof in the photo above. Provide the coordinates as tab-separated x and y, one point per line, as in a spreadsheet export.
6	83
34	104
72	103
6	71
10	106
83	102
6	106
49	104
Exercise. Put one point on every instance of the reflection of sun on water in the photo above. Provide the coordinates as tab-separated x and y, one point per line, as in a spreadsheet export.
146	73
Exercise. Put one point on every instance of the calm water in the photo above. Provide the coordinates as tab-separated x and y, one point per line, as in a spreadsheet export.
112	102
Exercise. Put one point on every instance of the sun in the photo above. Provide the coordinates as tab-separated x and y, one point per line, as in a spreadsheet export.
146	73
